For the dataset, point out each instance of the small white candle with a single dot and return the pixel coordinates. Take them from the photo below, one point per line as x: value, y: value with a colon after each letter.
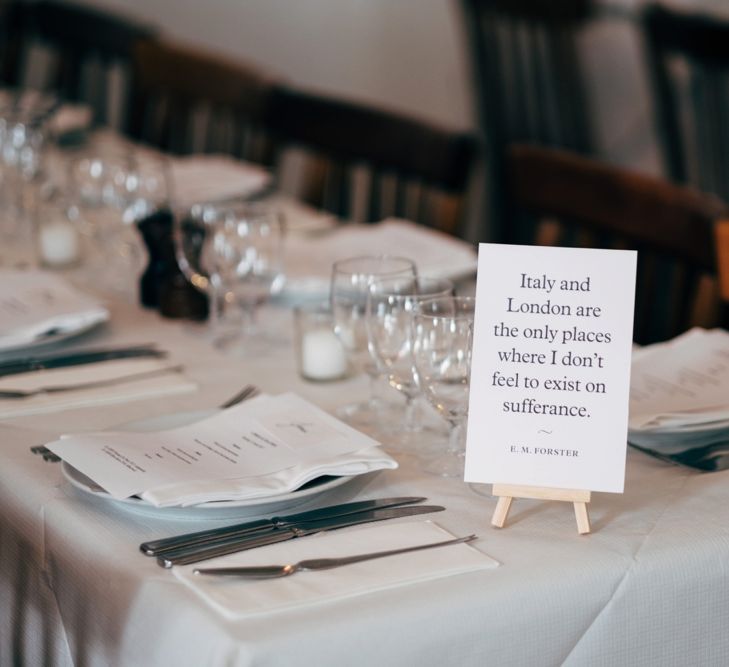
x: 322, y: 355
x: 59, y: 244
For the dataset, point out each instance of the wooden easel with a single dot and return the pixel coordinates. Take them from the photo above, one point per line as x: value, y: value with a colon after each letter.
x: 507, y: 492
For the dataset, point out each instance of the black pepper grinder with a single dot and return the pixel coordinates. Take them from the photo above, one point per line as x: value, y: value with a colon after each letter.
x: 163, y: 285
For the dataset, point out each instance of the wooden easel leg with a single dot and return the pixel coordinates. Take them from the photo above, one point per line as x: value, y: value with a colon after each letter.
x: 583, y: 519
x: 502, y: 510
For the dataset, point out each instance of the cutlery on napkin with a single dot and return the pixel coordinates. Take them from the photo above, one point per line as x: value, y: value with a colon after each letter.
x: 197, y: 553
x: 236, y: 598
x: 76, y: 358
x: 314, y: 564
x: 165, y: 544
x: 114, y: 381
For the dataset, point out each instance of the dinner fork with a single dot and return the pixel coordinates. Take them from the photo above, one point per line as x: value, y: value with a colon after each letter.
x: 278, y: 571
x: 249, y: 391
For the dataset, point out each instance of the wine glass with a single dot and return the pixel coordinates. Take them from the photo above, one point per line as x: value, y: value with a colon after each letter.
x: 442, y: 342
x: 22, y: 150
x: 113, y: 193
x: 350, y: 284
x: 233, y: 253
x: 391, y: 305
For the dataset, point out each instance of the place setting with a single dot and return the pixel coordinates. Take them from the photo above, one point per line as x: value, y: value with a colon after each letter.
x: 678, y: 400
x: 264, y: 453
x: 39, y: 375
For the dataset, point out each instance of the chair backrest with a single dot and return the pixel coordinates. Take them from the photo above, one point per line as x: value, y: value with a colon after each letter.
x: 688, y: 57
x: 582, y: 202
x: 528, y: 81
x: 11, y: 35
x: 85, y: 44
x: 370, y: 164
x: 186, y: 100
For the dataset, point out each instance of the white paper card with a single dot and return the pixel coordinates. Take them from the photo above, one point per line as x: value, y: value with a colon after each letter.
x: 259, y: 437
x: 550, y: 370
x: 681, y: 382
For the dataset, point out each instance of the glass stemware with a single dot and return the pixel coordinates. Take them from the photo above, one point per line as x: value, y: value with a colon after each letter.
x: 350, y: 284
x: 234, y: 254
x: 22, y: 144
x: 391, y: 305
x: 110, y: 195
x: 442, y: 342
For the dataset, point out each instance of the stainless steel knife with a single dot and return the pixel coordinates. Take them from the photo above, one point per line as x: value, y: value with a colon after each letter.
x: 28, y: 364
x: 213, y: 535
x: 198, y: 553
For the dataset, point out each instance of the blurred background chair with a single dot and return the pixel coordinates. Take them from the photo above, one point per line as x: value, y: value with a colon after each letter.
x: 688, y: 57
x: 581, y: 202
x: 11, y: 34
x: 366, y: 164
x: 187, y: 101
x: 78, y: 52
x: 529, y: 85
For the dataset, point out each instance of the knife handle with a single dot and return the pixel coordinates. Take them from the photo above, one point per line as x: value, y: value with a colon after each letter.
x: 193, y: 554
x: 76, y: 359
x: 196, y: 554
x: 165, y: 544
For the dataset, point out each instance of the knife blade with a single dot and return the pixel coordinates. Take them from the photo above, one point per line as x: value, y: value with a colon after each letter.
x: 165, y: 544
x: 195, y: 554
x: 28, y: 364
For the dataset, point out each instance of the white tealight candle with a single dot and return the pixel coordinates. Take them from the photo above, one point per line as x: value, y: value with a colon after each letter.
x: 59, y: 243
x: 322, y: 355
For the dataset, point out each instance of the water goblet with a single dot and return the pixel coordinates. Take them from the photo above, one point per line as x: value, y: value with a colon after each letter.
x: 442, y: 342
x: 391, y: 305
x: 234, y: 254
x: 350, y: 284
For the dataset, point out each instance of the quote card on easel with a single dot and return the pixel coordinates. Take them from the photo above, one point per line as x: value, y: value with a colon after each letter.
x: 550, y: 369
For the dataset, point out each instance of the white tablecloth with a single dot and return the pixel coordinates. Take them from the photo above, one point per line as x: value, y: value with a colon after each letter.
x: 647, y: 587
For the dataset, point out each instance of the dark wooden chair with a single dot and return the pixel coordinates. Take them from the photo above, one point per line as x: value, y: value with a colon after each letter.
x: 528, y: 84
x: 186, y: 100
x: 369, y: 164
x: 85, y: 46
x: 11, y: 39
x: 688, y: 56
x: 582, y: 202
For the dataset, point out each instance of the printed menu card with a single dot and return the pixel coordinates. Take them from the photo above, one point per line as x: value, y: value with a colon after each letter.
x: 550, y: 371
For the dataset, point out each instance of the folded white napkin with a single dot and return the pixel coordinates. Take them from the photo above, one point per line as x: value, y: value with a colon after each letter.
x: 138, y: 379
x: 202, y: 178
x: 283, y: 481
x: 36, y: 305
x: 238, y: 598
x: 309, y: 258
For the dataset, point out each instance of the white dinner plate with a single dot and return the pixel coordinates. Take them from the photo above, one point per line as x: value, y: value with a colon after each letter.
x: 249, y: 508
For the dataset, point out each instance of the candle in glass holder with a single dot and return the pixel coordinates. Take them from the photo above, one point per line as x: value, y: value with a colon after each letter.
x: 58, y: 243
x: 319, y: 352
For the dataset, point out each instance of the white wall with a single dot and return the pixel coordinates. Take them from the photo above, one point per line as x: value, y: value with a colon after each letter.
x: 407, y: 55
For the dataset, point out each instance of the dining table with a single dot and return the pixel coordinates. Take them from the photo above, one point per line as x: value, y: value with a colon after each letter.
x: 647, y: 586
